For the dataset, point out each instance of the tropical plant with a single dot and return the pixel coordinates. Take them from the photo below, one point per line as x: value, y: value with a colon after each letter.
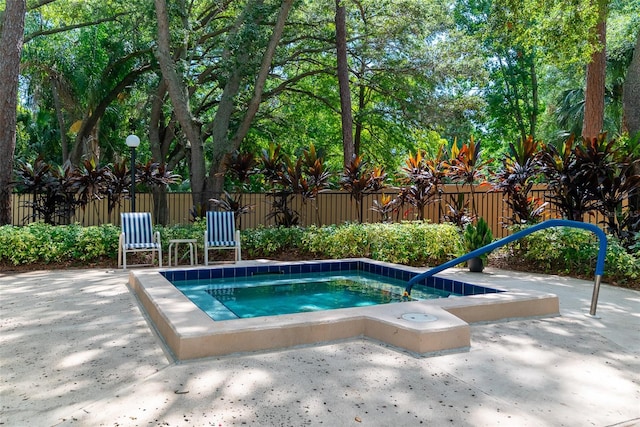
x: 232, y: 204
x: 569, y: 191
x: 476, y: 236
x: 385, y: 207
x: 516, y: 178
x: 421, y: 184
x: 305, y: 177
x: 612, y: 180
x: 154, y: 174
x: 318, y: 175
x: 467, y: 167
x: 241, y: 166
x: 458, y: 211
x: 52, y: 199
x: 272, y: 167
x: 89, y: 183
x: 358, y: 179
x: 119, y: 185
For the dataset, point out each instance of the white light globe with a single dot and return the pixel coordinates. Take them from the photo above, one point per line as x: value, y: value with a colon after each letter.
x: 132, y: 141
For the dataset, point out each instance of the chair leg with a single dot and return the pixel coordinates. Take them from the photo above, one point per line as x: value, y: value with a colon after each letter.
x: 238, y: 248
x: 120, y: 251
x: 206, y: 248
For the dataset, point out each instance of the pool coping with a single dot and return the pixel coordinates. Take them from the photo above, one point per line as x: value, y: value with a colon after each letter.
x: 190, y: 333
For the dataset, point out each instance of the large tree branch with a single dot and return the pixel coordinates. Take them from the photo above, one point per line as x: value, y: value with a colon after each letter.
x: 267, y: 59
x: 315, y: 96
x: 39, y: 4
x: 92, y: 120
x: 180, y: 101
x: 287, y: 84
x: 33, y: 35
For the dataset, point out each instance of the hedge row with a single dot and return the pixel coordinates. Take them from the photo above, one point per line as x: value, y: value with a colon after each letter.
x: 558, y: 250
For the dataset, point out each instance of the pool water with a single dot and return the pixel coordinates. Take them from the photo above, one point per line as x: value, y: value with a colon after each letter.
x: 277, y: 294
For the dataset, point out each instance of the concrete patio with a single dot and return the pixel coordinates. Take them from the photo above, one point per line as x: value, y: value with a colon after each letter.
x: 77, y: 350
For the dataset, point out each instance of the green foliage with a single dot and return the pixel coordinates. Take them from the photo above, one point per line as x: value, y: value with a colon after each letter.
x: 305, y: 176
x: 40, y: 242
x: 421, y: 182
x: 95, y: 242
x: 358, y: 178
x: 574, y: 252
x: 477, y: 236
x: 269, y: 241
x: 335, y: 241
x: 593, y: 174
x: 194, y: 230
x: 515, y: 180
x: 57, y: 191
x: 557, y: 250
x: 415, y: 243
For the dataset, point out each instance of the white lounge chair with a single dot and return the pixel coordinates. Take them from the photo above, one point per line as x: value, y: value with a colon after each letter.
x: 137, y: 236
x: 221, y: 233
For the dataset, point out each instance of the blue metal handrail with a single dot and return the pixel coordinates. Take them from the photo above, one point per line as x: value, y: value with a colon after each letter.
x: 602, y: 251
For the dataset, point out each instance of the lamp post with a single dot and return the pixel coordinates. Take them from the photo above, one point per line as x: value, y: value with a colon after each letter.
x: 132, y: 142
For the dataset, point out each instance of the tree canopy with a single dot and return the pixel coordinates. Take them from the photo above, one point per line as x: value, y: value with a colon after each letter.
x: 199, y: 81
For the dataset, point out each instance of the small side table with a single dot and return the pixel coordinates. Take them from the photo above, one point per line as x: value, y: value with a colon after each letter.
x: 193, y: 248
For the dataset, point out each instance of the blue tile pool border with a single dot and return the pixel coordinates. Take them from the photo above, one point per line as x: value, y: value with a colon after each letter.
x: 435, y: 282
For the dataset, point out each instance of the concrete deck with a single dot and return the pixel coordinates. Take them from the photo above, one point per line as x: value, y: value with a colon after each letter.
x: 75, y: 349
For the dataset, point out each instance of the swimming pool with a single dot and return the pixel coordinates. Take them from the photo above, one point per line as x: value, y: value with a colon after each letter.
x: 423, y: 327
x: 272, y: 294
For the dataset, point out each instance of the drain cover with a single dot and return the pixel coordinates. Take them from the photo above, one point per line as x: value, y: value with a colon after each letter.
x: 419, y: 317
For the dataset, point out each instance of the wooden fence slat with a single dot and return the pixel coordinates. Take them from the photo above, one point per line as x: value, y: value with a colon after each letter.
x: 331, y: 207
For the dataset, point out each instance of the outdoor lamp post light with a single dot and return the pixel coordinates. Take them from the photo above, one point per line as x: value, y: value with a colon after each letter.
x: 132, y: 142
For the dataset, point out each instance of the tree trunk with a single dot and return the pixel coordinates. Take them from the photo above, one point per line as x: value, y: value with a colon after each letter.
x: 180, y: 100
x: 631, y: 94
x: 61, y: 122
x: 533, y: 121
x: 222, y: 147
x: 595, y: 81
x: 11, y: 39
x: 343, y: 83
x: 631, y: 112
x: 362, y: 103
x: 158, y: 152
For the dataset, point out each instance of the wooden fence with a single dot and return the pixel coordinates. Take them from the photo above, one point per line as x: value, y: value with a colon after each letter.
x: 331, y: 207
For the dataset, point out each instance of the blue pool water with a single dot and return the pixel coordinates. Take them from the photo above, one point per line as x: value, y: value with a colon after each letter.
x: 233, y: 292
x: 275, y: 294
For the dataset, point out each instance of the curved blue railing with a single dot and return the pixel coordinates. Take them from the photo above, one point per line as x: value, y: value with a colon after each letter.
x: 602, y: 251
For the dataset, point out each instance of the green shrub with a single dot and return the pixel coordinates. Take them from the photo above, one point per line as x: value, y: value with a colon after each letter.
x: 332, y: 241
x: 415, y: 243
x: 181, y: 231
x: 40, y: 242
x: 574, y: 251
x: 267, y: 241
x: 557, y: 250
x: 95, y: 242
